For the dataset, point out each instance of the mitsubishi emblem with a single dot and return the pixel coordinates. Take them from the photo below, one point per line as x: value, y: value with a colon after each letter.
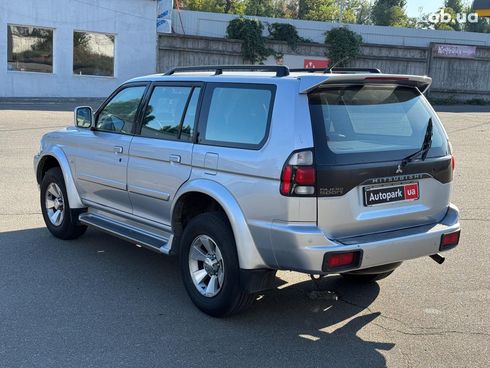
x: 399, y: 169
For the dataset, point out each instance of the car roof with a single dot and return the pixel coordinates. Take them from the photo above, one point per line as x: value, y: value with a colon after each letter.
x: 307, y: 80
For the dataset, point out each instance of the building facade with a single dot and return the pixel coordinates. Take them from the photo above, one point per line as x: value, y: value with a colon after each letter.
x: 74, y: 48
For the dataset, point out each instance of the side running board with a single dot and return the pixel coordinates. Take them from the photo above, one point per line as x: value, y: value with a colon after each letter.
x: 126, y: 232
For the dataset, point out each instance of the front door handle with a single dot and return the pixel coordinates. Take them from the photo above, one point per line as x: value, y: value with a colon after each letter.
x: 118, y: 149
x: 174, y: 158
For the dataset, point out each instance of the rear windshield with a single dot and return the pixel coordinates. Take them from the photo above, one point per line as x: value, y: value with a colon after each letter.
x: 370, y: 123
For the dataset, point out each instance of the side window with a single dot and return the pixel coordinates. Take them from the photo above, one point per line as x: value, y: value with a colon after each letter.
x: 119, y: 114
x: 170, y: 113
x: 238, y: 116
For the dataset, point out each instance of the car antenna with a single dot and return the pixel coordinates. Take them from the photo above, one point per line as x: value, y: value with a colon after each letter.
x: 329, y: 70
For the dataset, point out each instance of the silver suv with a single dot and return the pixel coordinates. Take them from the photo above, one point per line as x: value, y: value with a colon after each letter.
x: 245, y: 170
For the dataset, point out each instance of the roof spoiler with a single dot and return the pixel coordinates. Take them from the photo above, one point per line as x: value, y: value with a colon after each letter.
x: 421, y: 82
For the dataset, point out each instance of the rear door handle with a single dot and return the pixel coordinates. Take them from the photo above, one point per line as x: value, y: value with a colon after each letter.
x: 174, y: 158
x: 118, y: 149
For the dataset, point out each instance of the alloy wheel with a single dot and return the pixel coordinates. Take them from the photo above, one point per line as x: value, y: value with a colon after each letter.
x: 55, y: 204
x: 206, y: 266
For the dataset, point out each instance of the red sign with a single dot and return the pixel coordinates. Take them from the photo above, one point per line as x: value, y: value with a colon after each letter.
x: 316, y: 63
x: 411, y: 191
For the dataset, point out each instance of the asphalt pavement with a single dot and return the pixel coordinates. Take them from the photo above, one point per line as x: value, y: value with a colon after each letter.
x: 101, y: 302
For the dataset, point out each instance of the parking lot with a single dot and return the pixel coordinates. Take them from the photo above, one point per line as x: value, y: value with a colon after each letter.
x: 101, y: 302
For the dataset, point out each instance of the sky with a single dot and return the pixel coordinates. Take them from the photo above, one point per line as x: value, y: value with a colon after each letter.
x: 429, y: 6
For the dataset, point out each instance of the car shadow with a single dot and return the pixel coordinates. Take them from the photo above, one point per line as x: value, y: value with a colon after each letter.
x: 122, y: 305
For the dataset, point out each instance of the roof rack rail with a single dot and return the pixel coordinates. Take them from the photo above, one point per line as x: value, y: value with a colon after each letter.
x: 280, y: 70
x: 338, y: 70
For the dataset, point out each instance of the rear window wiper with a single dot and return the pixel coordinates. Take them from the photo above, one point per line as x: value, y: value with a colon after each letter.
x: 423, y: 151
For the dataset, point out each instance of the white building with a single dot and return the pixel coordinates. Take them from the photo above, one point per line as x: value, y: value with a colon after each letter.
x: 74, y: 48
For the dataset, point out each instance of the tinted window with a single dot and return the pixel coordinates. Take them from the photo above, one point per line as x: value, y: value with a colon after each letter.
x: 93, y: 54
x: 119, y: 114
x: 381, y: 123
x: 30, y: 49
x: 238, y: 116
x: 169, y: 109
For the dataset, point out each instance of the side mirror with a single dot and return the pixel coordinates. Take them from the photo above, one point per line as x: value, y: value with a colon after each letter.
x: 84, y: 117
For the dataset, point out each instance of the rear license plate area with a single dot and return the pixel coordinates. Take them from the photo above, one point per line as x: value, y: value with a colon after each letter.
x: 389, y: 194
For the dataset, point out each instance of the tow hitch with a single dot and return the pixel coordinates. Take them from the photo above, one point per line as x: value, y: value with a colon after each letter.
x: 438, y: 258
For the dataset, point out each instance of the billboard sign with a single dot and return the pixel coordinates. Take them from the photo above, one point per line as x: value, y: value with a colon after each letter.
x: 455, y: 51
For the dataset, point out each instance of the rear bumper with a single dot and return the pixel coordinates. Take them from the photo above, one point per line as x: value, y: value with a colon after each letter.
x: 302, y: 247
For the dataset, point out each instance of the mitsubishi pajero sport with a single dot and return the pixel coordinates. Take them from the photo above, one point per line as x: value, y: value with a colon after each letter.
x: 245, y: 170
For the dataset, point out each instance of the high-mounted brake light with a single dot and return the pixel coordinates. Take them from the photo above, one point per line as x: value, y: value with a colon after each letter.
x: 387, y: 78
x: 298, y: 176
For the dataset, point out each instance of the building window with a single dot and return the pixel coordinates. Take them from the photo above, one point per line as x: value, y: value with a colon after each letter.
x: 30, y: 49
x: 93, y: 54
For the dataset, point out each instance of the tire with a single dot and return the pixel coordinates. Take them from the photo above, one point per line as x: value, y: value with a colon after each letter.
x: 205, y: 233
x: 367, y: 278
x: 59, y: 218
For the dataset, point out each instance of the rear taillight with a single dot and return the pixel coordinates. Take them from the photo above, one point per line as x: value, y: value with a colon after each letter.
x: 341, y: 260
x: 450, y: 240
x: 298, y: 177
x: 453, y: 162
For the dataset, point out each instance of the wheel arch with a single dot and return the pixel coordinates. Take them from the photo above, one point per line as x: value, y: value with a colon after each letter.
x: 57, y: 158
x: 248, y: 255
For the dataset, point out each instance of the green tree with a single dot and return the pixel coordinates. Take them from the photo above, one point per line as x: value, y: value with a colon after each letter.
x: 482, y: 26
x: 390, y: 13
x: 343, y: 45
x: 325, y: 10
x: 453, y: 25
x: 456, y: 5
x: 290, y: 8
x: 215, y: 6
x: 362, y: 11
x: 264, y: 8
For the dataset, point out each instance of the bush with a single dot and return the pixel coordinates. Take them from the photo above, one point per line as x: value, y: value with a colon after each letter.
x: 286, y: 32
x: 343, y: 45
x: 250, y: 32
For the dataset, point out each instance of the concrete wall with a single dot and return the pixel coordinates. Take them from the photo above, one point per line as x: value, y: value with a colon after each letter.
x: 214, y: 25
x: 461, y: 79
x: 133, y: 22
x: 175, y: 50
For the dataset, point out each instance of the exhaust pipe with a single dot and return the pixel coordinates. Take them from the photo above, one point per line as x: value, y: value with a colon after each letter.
x: 438, y: 258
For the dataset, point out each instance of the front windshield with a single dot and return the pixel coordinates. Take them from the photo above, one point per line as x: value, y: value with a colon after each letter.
x: 384, y: 122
